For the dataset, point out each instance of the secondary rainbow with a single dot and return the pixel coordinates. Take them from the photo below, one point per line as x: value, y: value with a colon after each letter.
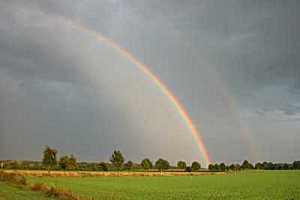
x: 143, y: 67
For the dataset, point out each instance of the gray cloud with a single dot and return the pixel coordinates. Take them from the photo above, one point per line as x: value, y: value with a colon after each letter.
x: 234, y: 65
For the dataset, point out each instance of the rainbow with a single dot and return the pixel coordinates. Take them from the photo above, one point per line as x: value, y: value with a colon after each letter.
x: 163, y: 87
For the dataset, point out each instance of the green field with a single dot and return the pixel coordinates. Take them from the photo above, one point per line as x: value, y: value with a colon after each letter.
x: 12, y: 192
x: 283, y: 185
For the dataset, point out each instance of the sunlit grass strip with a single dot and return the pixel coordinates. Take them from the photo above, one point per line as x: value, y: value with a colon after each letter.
x: 41, y: 173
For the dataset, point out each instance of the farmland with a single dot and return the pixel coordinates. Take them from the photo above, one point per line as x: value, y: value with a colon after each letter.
x: 243, y: 185
x: 11, y: 192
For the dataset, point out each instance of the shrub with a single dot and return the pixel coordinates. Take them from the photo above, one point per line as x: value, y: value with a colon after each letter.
x: 68, y: 162
x: 13, y: 178
x: 39, y: 187
x: 128, y: 165
x: 103, y: 166
x: 62, y: 194
x: 188, y: 169
x: 20, y: 180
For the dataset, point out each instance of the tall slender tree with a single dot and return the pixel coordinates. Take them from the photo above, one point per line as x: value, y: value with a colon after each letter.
x: 49, y: 158
x: 117, y: 159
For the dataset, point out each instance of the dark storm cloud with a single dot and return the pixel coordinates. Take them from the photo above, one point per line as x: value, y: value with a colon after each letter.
x: 62, y: 88
x: 234, y: 64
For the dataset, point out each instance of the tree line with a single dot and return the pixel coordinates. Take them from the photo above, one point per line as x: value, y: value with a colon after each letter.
x: 246, y: 165
x: 117, y: 162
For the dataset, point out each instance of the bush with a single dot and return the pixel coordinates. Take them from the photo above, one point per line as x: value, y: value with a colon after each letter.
x: 62, y: 194
x: 13, y: 178
x: 39, y: 187
x: 188, y: 169
x: 103, y: 166
x: 20, y: 180
x: 128, y: 165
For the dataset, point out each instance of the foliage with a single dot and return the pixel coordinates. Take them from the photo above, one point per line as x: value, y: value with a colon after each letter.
x: 49, y: 157
x: 162, y: 164
x: 128, y: 165
x: 259, y: 166
x: 296, y: 165
x: 103, y: 166
x: 195, y: 166
x: 214, y: 167
x: 247, y: 165
x: 222, y: 167
x: 181, y: 165
x: 117, y: 159
x: 88, y: 166
x: 146, y: 164
x: 68, y: 162
x: 188, y: 169
x: 235, y: 167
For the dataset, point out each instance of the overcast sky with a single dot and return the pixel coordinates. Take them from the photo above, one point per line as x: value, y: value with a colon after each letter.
x: 235, y: 65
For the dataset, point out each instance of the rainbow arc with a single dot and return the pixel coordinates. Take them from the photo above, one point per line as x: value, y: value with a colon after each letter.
x: 163, y: 87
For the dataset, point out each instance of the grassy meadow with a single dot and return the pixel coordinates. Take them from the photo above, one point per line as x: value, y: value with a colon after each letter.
x: 12, y: 192
x: 254, y: 185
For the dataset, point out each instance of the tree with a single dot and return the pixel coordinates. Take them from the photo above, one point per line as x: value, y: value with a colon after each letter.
x: 268, y: 165
x: 216, y: 167
x: 117, y: 159
x: 128, y: 165
x: 162, y: 164
x: 285, y: 166
x: 181, y: 165
x: 296, y: 165
x: 232, y: 167
x: 195, y: 166
x: 222, y: 167
x: 49, y: 157
x: 259, y: 166
x: 146, y: 164
x: 247, y: 165
x: 63, y: 162
x: 68, y: 162
x: 103, y: 166
x: 227, y: 168
x: 72, y: 162
x: 237, y: 167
